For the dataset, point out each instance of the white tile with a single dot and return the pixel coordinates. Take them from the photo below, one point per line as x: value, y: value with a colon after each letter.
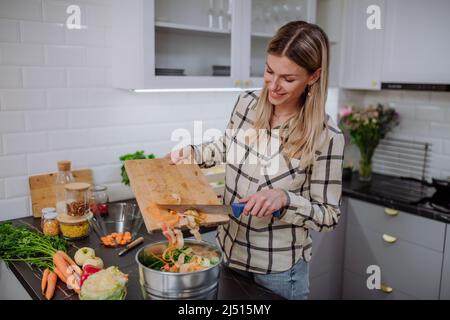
x: 441, y: 162
x: 15, y: 143
x: 21, y: 9
x: 414, y: 127
x: 11, y: 166
x: 10, y: 77
x: 39, y: 163
x: 23, y: 99
x: 445, y: 174
x: 91, y: 36
x: 45, y: 120
x: 11, y: 122
x: 87, y: 77
x: 67, y: 98
x: 21, y: 54
x: 9, y: 30
x: 42, y: 77
x: 416, y: 97
x: 2, y: 189
x: 55, y: 11
x: 430, y: 113
x: 107, y: 174
x: 45, y: 33
x: 118, y: 191
x: 446, y: 146
x: 440, y: 130
x: 435, y: 145
x: 440, y: 98
x: 405, y: 110
x: 100, y: 57
x: 65, y: 140
x: 14, y: 208
x: 65, y: 56
x: 17, y: 187
x: 99, y: 15
x: 90, y: 157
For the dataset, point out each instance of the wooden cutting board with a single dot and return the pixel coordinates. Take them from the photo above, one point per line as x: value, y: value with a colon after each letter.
x: 42, y: 188
x: 156, y: 181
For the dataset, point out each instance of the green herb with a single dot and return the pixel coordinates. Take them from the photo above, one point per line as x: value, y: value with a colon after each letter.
x: 138, y: 155
x: 19, y: 243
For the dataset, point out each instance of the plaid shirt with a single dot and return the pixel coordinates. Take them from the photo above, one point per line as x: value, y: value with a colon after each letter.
x: 268, y: 244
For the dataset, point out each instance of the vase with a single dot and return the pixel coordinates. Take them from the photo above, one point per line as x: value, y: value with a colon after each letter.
x: 365, y: 168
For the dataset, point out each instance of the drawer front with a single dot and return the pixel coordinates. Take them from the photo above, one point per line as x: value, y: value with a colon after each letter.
x: 409, y: 227
x: 412, y: 269
x: 355, y: 288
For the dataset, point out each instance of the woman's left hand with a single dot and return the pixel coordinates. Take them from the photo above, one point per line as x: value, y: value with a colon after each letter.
x: 264, y: 203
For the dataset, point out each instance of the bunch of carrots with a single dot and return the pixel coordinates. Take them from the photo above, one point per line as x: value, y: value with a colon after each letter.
x: 66, y: 270
x: 116, y: 238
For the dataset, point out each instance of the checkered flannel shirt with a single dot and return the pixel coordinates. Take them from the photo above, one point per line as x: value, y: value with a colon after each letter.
x: 268, y: 244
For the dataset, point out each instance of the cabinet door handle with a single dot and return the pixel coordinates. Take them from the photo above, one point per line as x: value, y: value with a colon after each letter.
x: 389, y: 239
x: 248, y: 83
x: 386, y: 289
x: 237, y: 83
x: 391, y: 212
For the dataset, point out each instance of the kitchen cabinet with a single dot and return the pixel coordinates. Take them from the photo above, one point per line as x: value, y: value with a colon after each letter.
x: 416, y: 42
x: 168, y: 44
x: 408, y: 250
x: 445, y: 280
x: 362, y: 46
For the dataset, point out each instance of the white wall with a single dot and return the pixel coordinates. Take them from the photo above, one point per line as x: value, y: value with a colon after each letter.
x: 56, y: 101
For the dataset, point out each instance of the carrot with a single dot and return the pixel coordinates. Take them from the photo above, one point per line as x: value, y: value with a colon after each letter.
x: 71, y: 263
x: 44, y: 280
x: 60, y: 275
x: 61, y: 264
x: 51, y: 285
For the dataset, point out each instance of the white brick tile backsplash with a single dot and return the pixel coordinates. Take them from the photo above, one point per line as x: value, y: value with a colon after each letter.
x: 99, y: 57
x: 67, y: 98
x: 436, y: 145
x: 416, y: 96
x: 99, y: 15
x: 91, y: 36
x: 440, y: 130
x: 446, y: 146
x: 23, y: 99
x: 430, y: 113
x: 9, y: 30
x: 91, y: 157
x: 405, y: 110
x: 10, y: 77
x: 11, y: 122
x: 441, y: 162
x: 440, y: 98
x: 65, y: 56
x: 14, y: 208
x: 68, y: 139
x: 16, y: 187
x: 21, y: 9
x: 55, y: 10
x: 119, y: 191
x: 2, y: 189
x: 21, y: 54
x: 46, y: 162
x: 87, y: 77
x: 106, y: 174
x: 42, y: 77
x: 11, y: 166
x: 414, y: 127
x: 45, y: 120
x: 16, y: 143
x: 38, y: 32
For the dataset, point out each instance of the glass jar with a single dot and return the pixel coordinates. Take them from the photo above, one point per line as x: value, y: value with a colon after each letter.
x: 74, y: 228
x: 49, y: 223
x: 99, y: 200
x: 63, y: 177
x: 77, y: 198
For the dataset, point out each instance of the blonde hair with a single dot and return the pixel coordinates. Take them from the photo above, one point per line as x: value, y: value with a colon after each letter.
x: 306, y: 45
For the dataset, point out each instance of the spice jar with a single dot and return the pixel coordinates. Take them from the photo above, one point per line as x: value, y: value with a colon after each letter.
x: 77, y: 198
x: 74, y: 228
x: 49, y: 223
x: 99, y: 201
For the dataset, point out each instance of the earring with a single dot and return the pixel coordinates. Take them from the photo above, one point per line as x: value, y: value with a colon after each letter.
x: 309, y: 91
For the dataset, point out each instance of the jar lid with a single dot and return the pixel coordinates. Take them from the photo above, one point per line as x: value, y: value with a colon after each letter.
x: 77, y: 186
x: 65, y: 218
x: 99, y: 188
x: 50, y: 215
x: 64, y: 165
x: 48, y: 209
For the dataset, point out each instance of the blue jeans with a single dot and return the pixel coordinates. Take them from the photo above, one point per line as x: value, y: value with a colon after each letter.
x: 292, y: 284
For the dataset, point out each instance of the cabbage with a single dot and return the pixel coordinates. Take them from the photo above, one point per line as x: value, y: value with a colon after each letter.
x: 108, y: 284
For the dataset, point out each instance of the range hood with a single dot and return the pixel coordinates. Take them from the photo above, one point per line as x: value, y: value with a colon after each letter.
x: 416, y: 86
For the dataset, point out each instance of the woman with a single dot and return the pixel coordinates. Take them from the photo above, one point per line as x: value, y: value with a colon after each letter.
x: 306, y: 187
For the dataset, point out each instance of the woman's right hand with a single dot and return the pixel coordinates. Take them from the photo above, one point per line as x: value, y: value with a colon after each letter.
x: 181, y: 156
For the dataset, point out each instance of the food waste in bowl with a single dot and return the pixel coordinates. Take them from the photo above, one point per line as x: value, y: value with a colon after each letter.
x: 157, y: 284
x: 120, y: 226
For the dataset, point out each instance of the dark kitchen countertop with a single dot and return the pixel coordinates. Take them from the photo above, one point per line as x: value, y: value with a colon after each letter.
x: 394, y: 193
x: 232, y: 286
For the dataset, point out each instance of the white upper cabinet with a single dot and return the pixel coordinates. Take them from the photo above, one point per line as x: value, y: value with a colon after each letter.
x: 417, y: 42
x: 173, y: 44
x: 362, y: 44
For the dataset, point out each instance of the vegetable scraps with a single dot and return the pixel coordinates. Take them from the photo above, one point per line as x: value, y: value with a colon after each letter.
x: 138, y: 155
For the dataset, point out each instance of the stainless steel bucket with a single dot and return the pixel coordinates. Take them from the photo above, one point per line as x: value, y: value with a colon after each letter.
x: 157, y: 285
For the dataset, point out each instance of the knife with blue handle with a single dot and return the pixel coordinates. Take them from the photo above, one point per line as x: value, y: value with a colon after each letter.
x: 235, y: 208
